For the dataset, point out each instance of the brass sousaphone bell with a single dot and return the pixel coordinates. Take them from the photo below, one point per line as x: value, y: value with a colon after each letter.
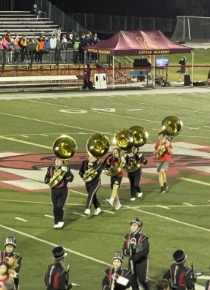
x: 124, y: 139
x: 64, y: 148
x: 97, y: 146
x: 140, y: 137
x: 171, y: 126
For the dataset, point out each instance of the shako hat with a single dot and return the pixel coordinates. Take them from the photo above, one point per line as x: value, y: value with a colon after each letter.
x: 59, y: 253
x: 179, y: 257
x: 118, y: 256
x: 10, y: 241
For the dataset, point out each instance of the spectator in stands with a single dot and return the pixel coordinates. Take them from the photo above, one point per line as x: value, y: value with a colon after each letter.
x: 76, y: 49
x: 8, y: 36
x: 34, y: 49
x: 17, y: 48
x: 95, y: 40
x: 23, y: 47
x: 5, y: 43
x: 182, y: 62
x: 53, y: 44
x: 82, y: 48
x: 41, y: 48
x: 37, y: 12
x: 71, y: 40
x: 64, y: 44
x: 58, y: 51
x: 57, y: 33
x: 88, y: 42
x: 46, y: 48
x: 11, y: 49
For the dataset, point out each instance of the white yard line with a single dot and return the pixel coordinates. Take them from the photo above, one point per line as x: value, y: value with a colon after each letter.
x: 52, y: 244
x: 20, y: 219
x: 162, y: 206
x: 49, y: 216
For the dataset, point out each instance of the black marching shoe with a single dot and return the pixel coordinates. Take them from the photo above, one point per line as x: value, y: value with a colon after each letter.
x: 165, y: 186
x: 162, y: 190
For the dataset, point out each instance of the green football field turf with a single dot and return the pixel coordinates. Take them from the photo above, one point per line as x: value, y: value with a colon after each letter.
x: 177, y: 219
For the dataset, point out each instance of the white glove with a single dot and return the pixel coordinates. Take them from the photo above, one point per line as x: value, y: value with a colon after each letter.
x: 64, y: 168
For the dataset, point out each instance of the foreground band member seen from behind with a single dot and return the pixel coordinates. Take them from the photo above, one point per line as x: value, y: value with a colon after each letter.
x: 57, y: 276
x: 12, y: 258
x: 163, y: 150
x: 59, y: 193
x: 136, y: 248
x: 113, y: 162
x: 133, y: 158
x: 179, y: 274
x: 117, y: 277
x: 90, y: 171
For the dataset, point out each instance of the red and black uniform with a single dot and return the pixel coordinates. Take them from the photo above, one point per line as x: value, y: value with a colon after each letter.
x: 180, y: 277
x: 14, y: 260
x: 93, y: 185
x: 116, y: 179
x: 56, y: 277
x: 136, y: 247
x: 135, y: 177
x: 111, y: 276
x: 59, y: 194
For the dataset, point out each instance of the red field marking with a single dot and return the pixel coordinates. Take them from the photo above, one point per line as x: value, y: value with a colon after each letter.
x: 36, y: 162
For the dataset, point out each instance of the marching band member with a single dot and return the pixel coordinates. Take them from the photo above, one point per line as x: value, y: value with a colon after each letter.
x: 57, y: 276
x: 135, y: 176
x: 163, y: 150
x: 90, y: 171
x: 116, y: 278
x: 115, y: 160
x: 59, y: 193
x: 136, y: 247
x: 179, y: 274
x: 12, y: 258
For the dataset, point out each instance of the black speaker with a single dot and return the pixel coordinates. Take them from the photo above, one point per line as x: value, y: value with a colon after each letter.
x: 141, y: 62
x: 187, y: 81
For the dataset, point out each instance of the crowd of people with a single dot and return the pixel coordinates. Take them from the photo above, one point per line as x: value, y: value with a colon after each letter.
x: 59, y: 47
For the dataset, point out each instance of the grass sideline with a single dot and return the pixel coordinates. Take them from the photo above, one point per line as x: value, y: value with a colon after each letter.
x: 178, y: 219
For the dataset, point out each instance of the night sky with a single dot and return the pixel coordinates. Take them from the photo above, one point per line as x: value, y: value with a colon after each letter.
x: 148, y: 8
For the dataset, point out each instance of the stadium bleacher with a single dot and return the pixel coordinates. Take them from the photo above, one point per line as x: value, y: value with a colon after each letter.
x: 20, y: 22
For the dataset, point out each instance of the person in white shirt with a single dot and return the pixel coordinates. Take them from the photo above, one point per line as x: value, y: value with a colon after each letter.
x: 53, y: 44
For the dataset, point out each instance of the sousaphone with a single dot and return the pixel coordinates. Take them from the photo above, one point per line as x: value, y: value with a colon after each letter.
x: 97, y: 146
x: 140, y: 136
x: 64, y: 148
x: 171, y: 126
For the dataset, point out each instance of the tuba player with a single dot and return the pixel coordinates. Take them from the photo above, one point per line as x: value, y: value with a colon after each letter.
x: 134, y: 157
x: 163, y: 150
x: 113, y: 161
x: 59, y: 193
x: 90, y: 171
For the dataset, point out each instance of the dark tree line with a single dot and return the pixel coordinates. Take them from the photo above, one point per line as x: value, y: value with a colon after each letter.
x: 148, y: 8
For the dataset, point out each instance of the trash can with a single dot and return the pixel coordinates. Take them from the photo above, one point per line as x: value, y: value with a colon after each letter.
x: 100, y: 81
x: 187, y: 81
